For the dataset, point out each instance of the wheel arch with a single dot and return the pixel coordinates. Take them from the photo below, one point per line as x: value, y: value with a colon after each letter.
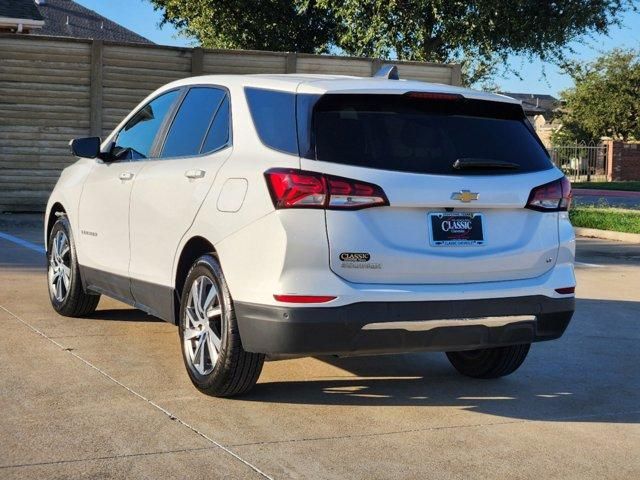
x: 192, y: 250
x: 52, y: 217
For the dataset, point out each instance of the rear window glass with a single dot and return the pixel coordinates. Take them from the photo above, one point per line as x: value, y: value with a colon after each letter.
x: 274, y: 116
x: 398, y: 132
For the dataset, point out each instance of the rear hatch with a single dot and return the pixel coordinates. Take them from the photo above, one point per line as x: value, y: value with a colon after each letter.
x: 457, y: 173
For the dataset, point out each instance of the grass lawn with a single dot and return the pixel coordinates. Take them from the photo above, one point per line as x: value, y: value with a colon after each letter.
x: 615, y: 219
x: 627, y: 186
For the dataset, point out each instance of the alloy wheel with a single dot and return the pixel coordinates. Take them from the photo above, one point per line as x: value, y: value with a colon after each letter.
x: 59, y: 272
x: 203, y: 325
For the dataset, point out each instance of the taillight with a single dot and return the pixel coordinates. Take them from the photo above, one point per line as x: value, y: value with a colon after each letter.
x: 551, y: 197
x: 291, y: 188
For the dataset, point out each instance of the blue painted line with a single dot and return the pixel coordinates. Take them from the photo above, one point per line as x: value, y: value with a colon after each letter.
x: 22, y: 243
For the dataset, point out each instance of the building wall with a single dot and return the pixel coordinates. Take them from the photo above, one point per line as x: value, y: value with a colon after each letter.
x: 544, y: 129
x: 54, y: 89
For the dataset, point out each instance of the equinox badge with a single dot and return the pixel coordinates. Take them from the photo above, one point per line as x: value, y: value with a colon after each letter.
x: 464, y: 196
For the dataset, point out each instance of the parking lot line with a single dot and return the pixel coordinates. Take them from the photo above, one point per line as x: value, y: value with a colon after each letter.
x: 21, y: 242
x: 142, y: 397
x: 588, y: 265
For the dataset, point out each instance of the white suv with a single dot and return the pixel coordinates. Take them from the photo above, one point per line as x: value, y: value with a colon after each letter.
x: 317, y: 214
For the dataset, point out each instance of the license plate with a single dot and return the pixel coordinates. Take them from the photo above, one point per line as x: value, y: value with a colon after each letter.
x: 456, y: 229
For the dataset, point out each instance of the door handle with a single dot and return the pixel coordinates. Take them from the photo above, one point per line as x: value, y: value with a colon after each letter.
x: 191, y: 174
x: 125, y: 176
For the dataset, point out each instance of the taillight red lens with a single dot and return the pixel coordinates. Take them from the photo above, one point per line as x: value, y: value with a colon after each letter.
x: 551, y: 197
x: 297, y: 189
x: 291, y: 188
x: 435, y: 96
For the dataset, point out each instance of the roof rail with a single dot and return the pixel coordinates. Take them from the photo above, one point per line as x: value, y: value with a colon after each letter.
x: 390, y: 72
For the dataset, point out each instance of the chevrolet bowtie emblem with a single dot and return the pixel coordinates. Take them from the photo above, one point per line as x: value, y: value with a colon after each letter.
x: 464, y: 196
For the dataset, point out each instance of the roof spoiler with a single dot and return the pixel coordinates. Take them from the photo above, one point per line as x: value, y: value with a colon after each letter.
x: 390, y: 72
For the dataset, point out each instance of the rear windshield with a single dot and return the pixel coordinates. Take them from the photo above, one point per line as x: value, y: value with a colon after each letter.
x: 419, y: 135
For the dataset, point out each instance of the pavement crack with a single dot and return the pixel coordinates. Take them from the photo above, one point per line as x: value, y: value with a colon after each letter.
x: 374, y: 434
x: 140, y: 396
x: 107, y: 335
x: 106, y: 457
x: 429, y: 429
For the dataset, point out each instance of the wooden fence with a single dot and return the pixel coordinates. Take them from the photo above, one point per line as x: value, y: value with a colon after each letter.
x: 53, y: 89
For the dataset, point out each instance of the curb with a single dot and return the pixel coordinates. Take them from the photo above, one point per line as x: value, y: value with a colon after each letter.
x: 607, y: 235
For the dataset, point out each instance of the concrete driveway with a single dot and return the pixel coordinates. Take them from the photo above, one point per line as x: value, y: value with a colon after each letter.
x: 108, y: 397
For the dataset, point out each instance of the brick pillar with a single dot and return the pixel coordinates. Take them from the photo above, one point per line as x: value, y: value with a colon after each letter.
x: 609, y: 145
x: 623, y: 162
x: 616, y: 161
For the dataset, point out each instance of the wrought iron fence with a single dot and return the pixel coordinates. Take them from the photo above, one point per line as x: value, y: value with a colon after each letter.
x: 581, y: 162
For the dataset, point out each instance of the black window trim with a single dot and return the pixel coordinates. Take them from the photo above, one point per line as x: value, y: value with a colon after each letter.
x: 206, y: 133
x: 164, y: 130
x: 158, y: 143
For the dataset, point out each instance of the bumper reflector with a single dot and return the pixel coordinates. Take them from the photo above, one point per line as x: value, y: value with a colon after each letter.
x: 566, y: 290
x: 304, y: 298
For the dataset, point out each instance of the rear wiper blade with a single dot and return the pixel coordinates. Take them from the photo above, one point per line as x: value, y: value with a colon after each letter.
x: 483, y: 164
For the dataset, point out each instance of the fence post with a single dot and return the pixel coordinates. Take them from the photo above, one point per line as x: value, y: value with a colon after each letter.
x: 456, y: 75
x: 95, y: 89
x: 291, y: 65
x: 376, y: 64
x: 197, y: 61
x: 589, y: 152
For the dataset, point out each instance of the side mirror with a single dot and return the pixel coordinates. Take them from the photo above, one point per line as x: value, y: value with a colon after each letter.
x: 88, y: 147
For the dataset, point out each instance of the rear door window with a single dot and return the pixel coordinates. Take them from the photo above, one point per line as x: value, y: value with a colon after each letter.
x: 425, y: 135
x: 219, y: 134
x: 193, y: 121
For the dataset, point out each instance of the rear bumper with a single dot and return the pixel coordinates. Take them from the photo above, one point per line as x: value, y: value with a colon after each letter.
x: 373, y: 327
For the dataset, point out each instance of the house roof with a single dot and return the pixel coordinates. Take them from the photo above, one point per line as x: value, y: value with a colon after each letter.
x: 66, y: 18
x: 532, y: 108
x: 23, y: 9
x: 530, y: 96
x: 536, y: 103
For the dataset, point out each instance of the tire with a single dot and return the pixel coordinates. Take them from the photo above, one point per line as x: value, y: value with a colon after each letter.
x: 489, y: 362
x: 66, y: 293
x: 211, y: 346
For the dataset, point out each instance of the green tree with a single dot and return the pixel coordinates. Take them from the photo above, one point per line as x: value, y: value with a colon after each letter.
x: 480, y: 34
x: 279, y: 25
x: 604, y: 101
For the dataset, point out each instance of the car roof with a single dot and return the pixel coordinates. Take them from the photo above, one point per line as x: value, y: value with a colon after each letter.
x: 321, y: 84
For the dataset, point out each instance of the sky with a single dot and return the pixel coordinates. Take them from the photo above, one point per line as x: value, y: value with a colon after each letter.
x: 537, y: 77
